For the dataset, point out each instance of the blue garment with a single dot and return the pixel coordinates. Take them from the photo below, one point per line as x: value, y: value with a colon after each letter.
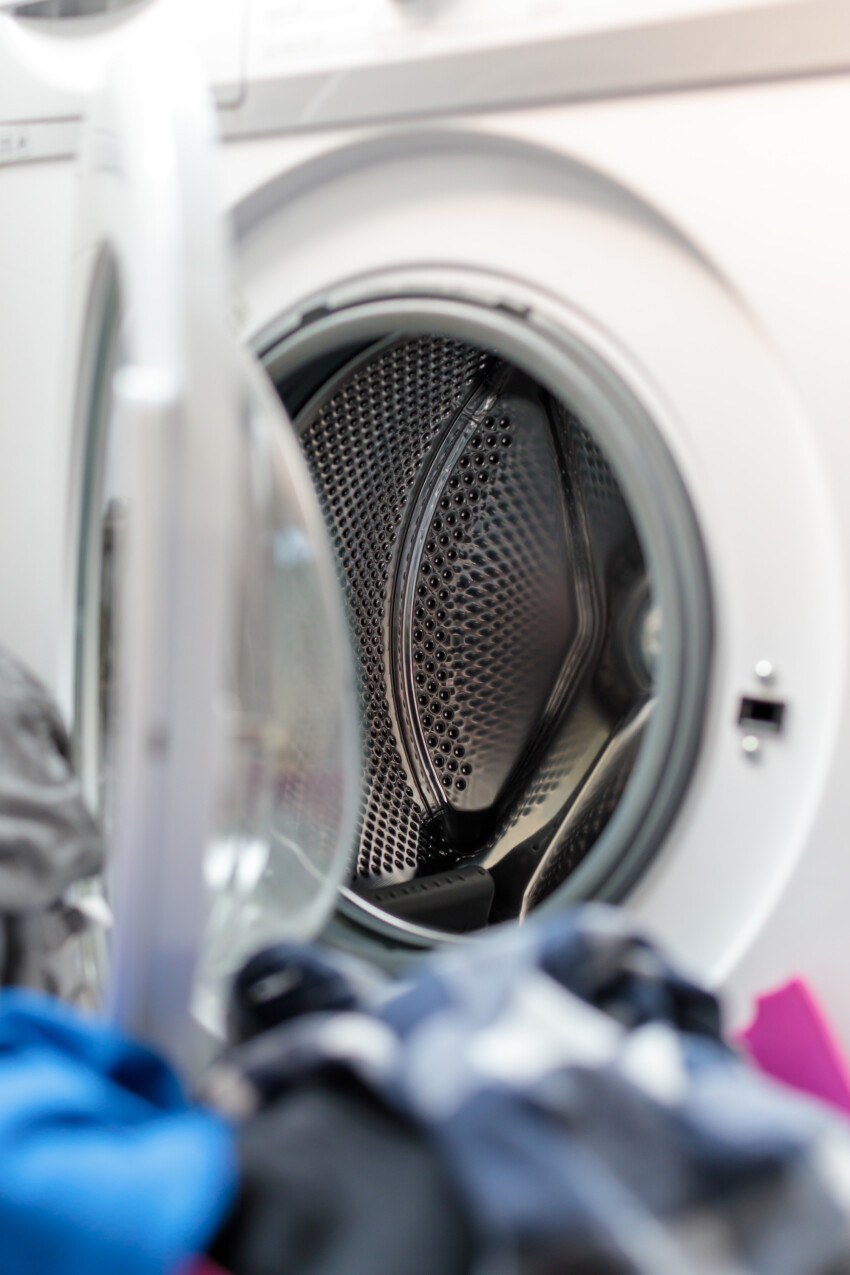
x: 580, y: 1097
x: 105, y: 1167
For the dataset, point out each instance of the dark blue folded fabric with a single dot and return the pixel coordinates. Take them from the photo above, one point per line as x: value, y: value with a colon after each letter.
x: 105, y: 1167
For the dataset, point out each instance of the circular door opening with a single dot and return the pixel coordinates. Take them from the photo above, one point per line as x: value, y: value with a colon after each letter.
x: 528, y: 603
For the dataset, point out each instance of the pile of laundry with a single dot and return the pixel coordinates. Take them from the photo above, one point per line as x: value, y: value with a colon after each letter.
x: 552, y: 1097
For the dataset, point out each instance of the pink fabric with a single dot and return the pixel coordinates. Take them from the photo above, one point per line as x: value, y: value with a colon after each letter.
x: 203, y: 1266
x: 791, y: 1040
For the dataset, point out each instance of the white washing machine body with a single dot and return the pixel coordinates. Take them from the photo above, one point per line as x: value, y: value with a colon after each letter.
x: 659, y: 205
x: 51, y: 68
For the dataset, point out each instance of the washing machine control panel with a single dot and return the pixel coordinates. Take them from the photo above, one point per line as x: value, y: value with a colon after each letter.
x: 292, y: 35
x: 321, y: 63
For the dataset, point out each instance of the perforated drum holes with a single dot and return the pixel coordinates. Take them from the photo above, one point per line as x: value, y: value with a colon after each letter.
x: 494, y: 617
x: 366, y: 439
x: 500, y: 609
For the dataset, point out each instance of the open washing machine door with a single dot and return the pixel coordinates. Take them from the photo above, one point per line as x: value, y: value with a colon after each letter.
x: 216, y: 720
x: 530, y: 607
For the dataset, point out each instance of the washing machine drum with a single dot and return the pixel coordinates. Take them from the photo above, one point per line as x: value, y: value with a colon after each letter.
x: 506, y: 629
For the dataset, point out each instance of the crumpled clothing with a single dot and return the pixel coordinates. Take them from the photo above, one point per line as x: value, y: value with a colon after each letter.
x: 105, y: 1166
x: 48, y: 838
x: 288, y: 980
x: 580, y: 1097
x: 333, y: 1183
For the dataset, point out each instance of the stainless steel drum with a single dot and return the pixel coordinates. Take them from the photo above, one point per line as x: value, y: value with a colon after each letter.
x: 504, y: 618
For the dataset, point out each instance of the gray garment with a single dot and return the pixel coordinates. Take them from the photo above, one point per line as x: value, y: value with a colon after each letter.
x: 48, y: 838
x: 333, y: 1183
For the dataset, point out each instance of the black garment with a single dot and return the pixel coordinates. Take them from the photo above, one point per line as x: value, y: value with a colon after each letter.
x: 334, y: 1184
x: 287, y: 981
x: 48, y: 839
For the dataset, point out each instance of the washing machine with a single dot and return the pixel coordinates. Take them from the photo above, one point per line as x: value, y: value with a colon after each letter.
x: 553, y: 303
